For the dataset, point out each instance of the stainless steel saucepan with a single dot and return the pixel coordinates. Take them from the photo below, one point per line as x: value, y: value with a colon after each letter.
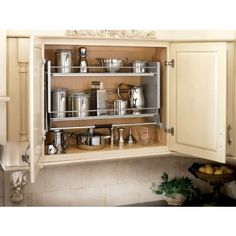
x: 91, y: 140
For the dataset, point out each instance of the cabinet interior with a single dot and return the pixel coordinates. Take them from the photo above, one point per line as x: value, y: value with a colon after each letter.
x: 80, y: 83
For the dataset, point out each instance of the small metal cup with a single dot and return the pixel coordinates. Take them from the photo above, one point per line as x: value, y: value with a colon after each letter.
x: 120, y: 107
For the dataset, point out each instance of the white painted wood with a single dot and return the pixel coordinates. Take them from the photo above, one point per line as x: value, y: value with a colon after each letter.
x: 36, y: 103
x: 198, y: 100
x: 75, y: 155
x: 3, y: 98
x: 163, y: 35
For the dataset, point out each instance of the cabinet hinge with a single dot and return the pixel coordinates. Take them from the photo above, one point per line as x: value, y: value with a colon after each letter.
x: 228, y: 136
x: 170, y: 63
x: 25, y: 156
x: 43, y: 61
x: 170, y: 131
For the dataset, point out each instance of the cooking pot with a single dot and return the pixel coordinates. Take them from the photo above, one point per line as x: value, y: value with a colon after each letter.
x: 91, y: 140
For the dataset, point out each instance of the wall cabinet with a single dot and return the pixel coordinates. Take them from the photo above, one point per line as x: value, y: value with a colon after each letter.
x: 196, y: 88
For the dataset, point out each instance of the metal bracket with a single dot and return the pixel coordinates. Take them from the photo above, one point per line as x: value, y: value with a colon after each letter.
x: 170, y: 63
x: 25, y: 156
x: 170, y: 131
x: 229, y: 128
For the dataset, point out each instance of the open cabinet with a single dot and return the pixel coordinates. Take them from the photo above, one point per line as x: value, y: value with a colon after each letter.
x: 189, y: 107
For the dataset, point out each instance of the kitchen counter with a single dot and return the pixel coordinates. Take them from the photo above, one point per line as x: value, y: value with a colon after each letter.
x: 207, y: 200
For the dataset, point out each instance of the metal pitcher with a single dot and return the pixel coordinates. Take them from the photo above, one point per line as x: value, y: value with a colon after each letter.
x: 135, y: 97
x: 58, y: 139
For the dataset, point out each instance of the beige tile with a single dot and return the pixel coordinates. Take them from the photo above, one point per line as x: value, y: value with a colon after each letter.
x: 146, y: 194
x: 168, y: 164
x: 122, y: 194
x: 133, y: 170
x: 38, y: 186
x: 87, y: 197
x: 63, y: 177
x: 56, y: 198
x: 100, y: 174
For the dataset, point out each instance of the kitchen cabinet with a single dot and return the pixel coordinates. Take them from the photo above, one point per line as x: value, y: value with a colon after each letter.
x: 194, y: 98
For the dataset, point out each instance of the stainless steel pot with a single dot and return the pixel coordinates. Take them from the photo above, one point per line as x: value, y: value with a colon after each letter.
x: 91, y: 140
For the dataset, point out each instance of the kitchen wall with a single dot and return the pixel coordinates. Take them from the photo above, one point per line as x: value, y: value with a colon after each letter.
x: 110, y: 183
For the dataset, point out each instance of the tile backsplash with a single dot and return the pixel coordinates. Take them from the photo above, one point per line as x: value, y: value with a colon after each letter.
x: 108, y: 183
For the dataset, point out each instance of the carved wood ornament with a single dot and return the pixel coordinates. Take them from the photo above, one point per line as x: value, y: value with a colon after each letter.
x: 113, y: 34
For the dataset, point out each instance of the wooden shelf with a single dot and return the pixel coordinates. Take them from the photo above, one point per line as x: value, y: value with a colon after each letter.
x: 76, y: 155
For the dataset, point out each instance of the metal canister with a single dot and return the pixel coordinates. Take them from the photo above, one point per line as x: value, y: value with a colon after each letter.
x: 64, y: 60
x: 59, y: 102
x: 139, y: 66
x: 120, y: 107
x: 80, y: 104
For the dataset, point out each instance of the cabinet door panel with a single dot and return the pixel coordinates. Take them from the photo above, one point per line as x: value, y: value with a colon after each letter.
x: 198, y: 100
x: 36, y: 110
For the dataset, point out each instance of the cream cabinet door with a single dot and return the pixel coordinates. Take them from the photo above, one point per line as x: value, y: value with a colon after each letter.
x: 198, y: 83
x: 36, y: 107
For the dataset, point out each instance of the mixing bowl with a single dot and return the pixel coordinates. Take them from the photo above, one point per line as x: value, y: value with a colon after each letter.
x: 111, y: 65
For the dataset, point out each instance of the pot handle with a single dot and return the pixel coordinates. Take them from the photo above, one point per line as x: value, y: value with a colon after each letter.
x: 102, y: 126
x: 128, y: 86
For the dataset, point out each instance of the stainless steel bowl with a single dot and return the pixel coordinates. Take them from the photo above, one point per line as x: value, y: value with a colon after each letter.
x: 111, y: 65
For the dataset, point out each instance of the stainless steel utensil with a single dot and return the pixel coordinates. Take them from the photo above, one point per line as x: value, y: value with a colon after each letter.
x: 130, y: 138
x: 59, y: 139
x: 120, y: 107
x: 83, y: 63
x: 135, y: 96
x: 91, y: 140
x: 111, y: 65
x: 121, y: 139
x: 139, y: 66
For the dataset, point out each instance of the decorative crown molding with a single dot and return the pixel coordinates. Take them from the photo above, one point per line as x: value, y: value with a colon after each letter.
x: 113, y: 34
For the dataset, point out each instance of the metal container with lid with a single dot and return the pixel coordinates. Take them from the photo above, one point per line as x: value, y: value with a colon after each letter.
x: 59, y: 102
x: 80, y: 104
x: 139, y: 66
x: 64, y: 60
x: 91, y: 140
